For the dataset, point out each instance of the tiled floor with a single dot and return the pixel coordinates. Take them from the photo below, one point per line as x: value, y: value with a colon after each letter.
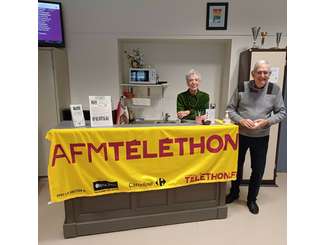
x: 269, y: 227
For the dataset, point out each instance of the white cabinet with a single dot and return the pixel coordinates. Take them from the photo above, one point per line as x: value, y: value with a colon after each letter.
x: 53, y: 96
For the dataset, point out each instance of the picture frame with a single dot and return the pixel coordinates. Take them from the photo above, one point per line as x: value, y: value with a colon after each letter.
x: 216, y: 17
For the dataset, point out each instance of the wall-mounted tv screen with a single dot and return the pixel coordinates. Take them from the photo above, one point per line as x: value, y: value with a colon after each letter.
x: 50, y: 24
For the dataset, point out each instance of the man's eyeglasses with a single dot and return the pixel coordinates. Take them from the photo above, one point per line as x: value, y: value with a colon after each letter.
x: 264, y: 72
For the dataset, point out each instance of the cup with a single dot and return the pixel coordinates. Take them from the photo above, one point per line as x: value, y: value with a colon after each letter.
x: 200, y: 119
x: 255, y: 33
x: 278, y: 38
x: 263, y: 36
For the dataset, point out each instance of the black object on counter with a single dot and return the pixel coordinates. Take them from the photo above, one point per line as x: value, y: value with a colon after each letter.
x: 207, y: 122
x: 66, y: 115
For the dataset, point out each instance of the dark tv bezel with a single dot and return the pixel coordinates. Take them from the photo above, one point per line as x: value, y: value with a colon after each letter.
x: 48, y: 44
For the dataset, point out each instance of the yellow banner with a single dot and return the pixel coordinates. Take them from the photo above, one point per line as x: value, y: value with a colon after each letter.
x: 97, y: 161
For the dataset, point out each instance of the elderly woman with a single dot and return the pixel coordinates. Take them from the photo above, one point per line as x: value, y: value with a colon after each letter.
x: 192, y: 102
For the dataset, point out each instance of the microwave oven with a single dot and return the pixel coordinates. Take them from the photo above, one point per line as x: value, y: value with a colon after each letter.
x: 142, y: 76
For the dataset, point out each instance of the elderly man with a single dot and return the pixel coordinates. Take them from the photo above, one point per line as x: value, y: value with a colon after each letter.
x: 192, y: 102
x: 255, y: 106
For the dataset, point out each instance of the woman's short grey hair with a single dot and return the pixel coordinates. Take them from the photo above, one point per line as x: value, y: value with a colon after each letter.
x: 193, y: 72
x: 259, y: 63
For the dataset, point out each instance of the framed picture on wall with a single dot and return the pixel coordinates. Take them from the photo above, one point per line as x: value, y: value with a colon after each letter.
x: 217, y: 16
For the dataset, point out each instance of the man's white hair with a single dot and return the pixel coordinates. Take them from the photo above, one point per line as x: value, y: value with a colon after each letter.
x: 193, y: 72
x: 259, y: 63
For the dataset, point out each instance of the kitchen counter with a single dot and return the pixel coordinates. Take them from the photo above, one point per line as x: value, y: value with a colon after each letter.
x: 141, y: 123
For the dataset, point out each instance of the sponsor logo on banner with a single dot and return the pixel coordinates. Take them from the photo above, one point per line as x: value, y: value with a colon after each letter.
x: 104, y: 185
x: 141, y: 184
x: 159, y: 182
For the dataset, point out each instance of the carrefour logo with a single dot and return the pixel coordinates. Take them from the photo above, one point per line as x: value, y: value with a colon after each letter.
x: 160, y: 182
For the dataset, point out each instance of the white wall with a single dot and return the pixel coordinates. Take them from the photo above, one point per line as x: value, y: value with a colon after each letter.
x: 93, y: 28
x: 173, y: 59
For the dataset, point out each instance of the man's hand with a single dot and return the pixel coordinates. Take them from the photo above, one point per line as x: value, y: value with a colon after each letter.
x: 260, y: 123
x: 248, y: 123
x: 182, y: 114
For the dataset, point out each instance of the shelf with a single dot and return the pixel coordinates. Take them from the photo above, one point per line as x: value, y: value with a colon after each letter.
x: 143, y: 85
x: 163, y: 86
x: 137, y: 106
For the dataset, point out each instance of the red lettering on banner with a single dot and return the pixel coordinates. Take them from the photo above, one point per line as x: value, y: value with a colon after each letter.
x: 97, y: 150
x: 180, y: 141
x: 163, y: 147
x: 202, y: 177
x: 220, y: 143
x: 73, y: 152
x: 145, y: 152
x: 116, y: 146
x: 130, y: 149
x: 200, y: 145
x: 228, y: 139
x: 213, y: 176
x: 55, y: 155
x: 135, y: 149
x: 210, y: 176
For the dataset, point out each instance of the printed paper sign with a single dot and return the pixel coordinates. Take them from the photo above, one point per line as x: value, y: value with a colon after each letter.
x: 274, y: 77
x: 100, y: 111
x: 77, y: 115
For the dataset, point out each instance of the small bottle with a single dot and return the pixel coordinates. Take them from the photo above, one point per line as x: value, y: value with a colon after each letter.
x: 211, y: 113
x: 227, y: 119
x: 122, y: 100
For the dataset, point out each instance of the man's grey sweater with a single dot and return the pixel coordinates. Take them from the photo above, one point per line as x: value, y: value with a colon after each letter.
x: 254, y: 103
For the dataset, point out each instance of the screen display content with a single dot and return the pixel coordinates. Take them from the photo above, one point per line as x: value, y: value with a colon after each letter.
x: 140, y: 76
x: 50, y: 28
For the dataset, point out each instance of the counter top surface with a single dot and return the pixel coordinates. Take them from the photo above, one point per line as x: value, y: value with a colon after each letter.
x: 146, y: 123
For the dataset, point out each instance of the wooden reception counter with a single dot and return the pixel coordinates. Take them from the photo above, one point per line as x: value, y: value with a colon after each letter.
x: 131, y: 210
